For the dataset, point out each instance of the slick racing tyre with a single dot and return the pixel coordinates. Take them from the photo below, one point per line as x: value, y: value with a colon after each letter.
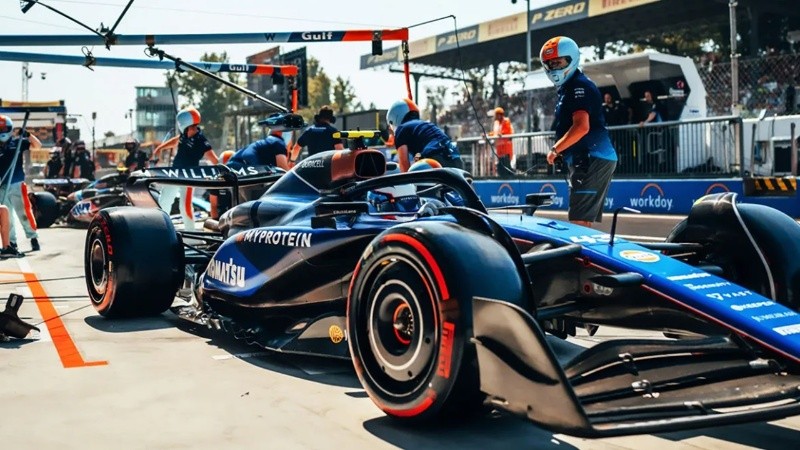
x: 409, y: 316
x: 45, y: 208
x: 133, y: 261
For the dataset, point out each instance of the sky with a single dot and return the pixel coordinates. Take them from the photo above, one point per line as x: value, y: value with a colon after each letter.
x: 110, y: 91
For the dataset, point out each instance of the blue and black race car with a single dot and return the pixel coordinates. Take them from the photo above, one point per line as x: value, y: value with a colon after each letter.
x: 451, y: 306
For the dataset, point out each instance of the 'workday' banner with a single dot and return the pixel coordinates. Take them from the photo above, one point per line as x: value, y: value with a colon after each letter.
x: 648, y: 196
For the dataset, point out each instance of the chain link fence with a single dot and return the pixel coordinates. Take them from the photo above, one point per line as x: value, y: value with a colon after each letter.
x: 765, y: 83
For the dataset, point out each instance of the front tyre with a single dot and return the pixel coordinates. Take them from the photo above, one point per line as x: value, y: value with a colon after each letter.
x: 45, y: 208
x: 409, y: 316
x: 133, y: 262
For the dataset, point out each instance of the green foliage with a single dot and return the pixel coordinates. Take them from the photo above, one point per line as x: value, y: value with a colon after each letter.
x: 344, y: 96
x: 212, y: 98
x: 319, y: 85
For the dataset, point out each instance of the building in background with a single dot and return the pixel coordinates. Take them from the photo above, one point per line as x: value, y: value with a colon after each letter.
x: 155, y: 113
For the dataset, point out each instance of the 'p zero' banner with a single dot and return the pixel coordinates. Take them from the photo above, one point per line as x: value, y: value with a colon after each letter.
x: 600, y: 7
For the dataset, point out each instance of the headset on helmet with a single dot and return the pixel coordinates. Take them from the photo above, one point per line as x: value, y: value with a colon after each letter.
x: 560, y: 47
x: 6, y: 127
x: 186, y: 118
x: 399, y: 110
x: 225, y: 156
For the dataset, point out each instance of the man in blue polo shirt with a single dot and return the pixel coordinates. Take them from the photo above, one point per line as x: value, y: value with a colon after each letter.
x: 270, y: 151
x: 192, y: 146
x: 413, y: 136
x: 318, y: 138
x: 581, y: 135
x: 13, y: 179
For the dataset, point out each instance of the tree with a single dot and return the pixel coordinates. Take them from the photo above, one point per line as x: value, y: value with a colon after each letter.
x: 319, y: 85
x: 212, y: 98
x: 344, y: 96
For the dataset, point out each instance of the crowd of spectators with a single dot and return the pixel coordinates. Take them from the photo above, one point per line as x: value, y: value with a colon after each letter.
x: 766, y: 83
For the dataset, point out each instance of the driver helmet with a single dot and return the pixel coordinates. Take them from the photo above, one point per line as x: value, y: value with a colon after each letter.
x: 401, y: 198
x: 131, y: 145
x: 186, y: 118
x: 401, y: 111
x: 560, y: 47
x: 6, y: 128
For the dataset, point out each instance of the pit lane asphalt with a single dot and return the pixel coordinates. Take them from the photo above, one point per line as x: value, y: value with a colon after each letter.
x: 151, y: 384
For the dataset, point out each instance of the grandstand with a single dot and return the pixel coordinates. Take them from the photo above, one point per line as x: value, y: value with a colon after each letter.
x: 763, y: 77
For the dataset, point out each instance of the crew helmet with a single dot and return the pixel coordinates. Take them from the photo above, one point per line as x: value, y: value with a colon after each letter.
x: 425, y: 164
x: 55, y: 152
x: 186, y: 118
x: 6, y: 128
x: 132, y: 144
x: 225, y: 156
x: 560, y: 47
x: 399, y: 110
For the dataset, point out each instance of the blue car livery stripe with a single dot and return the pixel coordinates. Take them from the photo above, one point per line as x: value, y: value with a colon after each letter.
x: 713, y: 297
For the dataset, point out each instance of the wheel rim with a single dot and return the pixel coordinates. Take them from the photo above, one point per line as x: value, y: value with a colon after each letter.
x: 401, y: 327
x: 98, y: 275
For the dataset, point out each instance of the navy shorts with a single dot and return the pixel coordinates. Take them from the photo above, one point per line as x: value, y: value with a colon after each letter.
x: 589, y: 181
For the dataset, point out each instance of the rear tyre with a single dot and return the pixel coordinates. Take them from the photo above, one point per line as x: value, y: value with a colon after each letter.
x: 45, y: 208
x: 133, y: 261
x: 409, y: 316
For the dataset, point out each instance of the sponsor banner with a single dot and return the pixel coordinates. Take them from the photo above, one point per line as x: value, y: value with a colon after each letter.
x: 204, y: 172
x: 647, y: 196
x: 600, y: 7
x: 559, y: 13
x: 389, y: 55
x: 465, y: 36
x: 503, y: 27
x: 422, y: 47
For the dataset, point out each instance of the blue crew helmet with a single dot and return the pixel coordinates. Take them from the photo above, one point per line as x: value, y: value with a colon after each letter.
x: 558, y: 70
x: 6, y: 128
x: 399, y: 110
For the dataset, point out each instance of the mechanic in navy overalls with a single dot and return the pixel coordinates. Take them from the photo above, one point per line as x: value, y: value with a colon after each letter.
x: 270, y: 151
x: 13, y: 179
x: 581, y: 135
x: 192, y: 147
x: 413, y: 136
x: 318, y: 138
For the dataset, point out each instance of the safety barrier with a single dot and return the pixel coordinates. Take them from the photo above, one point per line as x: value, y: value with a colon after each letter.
x: 770, y: 186
x: 658, y: 196
x: 708, y: 147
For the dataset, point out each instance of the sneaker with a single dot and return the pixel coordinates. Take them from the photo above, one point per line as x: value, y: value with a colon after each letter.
x: 35, y: 245
x: 10, y: 252
x: 13, y: 245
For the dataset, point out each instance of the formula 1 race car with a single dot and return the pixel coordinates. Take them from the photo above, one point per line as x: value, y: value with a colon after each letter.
x: 75, y: 202
x: 450, y: 306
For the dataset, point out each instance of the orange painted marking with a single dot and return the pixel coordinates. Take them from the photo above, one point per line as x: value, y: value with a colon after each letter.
x: 65, y: 346
x: 187, y: 202
x: 26, y: 202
